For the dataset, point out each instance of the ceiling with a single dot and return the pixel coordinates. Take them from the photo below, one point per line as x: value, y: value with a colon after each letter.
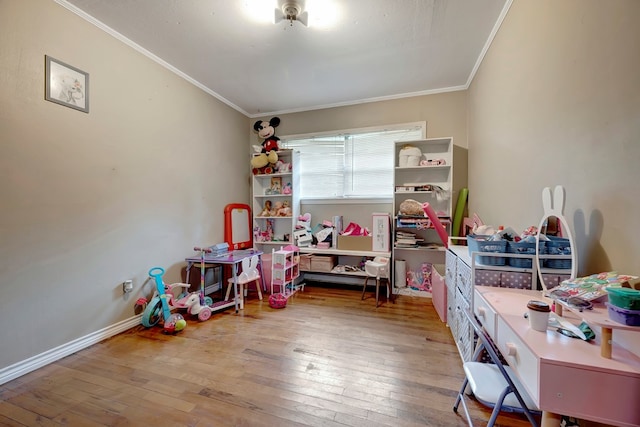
x: 377, y: 49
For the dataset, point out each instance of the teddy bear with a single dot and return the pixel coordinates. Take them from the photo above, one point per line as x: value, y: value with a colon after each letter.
x: 270, y: 144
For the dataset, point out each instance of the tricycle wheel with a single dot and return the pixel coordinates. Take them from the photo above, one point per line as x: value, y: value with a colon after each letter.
x: 152, y: 314
x: 204, y: 314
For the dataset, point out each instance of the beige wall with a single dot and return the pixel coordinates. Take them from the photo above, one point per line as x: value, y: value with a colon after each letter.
x: 89, y: 200
x: 445, y: 115
x: 557, y: 101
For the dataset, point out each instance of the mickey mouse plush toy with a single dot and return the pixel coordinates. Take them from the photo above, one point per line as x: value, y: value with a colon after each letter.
x: 270, y: 145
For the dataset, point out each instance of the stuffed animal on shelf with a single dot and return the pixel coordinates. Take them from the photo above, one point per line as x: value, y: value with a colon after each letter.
x: 267, y: 209
x: 283, y: 167
x: 287, y: 188
x: 270, y: 144
x: 411, y: 207
x: 284, y: 210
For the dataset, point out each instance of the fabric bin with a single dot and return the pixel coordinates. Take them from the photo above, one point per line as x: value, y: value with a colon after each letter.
x: 487, y: 278
x: 514, y: 279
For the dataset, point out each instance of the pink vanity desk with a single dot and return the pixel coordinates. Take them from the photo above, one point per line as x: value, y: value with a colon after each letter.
x: 563, y: 375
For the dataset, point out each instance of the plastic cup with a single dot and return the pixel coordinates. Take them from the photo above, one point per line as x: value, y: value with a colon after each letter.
x: 538, y: 315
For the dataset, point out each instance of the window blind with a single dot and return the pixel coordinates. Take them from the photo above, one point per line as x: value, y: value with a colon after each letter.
x: 350, y: 164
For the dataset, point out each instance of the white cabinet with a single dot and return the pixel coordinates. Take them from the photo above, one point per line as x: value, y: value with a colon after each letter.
x: 276, y: 203
x: 285, y: 269
x: 462, y: 273
x: 430, y: 180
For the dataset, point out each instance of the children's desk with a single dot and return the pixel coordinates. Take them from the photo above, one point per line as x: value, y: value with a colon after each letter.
x: 233, y: 259
x: 563, y: 375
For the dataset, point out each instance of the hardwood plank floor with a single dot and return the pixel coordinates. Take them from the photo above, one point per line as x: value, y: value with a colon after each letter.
x: 327, y: 359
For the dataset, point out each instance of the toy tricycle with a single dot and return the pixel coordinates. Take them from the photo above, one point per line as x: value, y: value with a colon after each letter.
x: 164, y: 301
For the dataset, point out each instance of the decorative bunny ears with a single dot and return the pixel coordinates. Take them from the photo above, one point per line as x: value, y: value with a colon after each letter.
x: 553, y: 206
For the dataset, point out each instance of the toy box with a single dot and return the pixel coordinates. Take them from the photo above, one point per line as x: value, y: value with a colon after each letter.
x: 355, y: 243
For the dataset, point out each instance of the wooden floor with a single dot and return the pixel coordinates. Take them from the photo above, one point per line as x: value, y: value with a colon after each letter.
x: 327, y: 359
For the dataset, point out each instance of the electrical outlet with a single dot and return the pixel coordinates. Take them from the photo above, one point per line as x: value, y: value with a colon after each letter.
x: 127, y: 286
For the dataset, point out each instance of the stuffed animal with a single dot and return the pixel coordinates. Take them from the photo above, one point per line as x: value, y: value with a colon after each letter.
x: 284, y: 210
x: 286, y: 189
x: 411, y: 207
x: 270, y: 144
x: 267, y: 209
x: 282, y: 167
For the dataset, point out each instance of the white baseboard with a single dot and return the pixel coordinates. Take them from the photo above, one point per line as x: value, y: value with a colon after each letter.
x: 31, y: 364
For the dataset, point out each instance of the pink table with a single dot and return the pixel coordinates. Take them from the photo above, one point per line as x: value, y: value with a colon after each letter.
x: 563, y: 375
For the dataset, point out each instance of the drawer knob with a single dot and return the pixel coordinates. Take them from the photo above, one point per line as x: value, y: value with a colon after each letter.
x: 481, y: 312
x: 512, y: 350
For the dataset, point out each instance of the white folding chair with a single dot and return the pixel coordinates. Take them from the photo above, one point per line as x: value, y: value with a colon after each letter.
x: 493, y: 384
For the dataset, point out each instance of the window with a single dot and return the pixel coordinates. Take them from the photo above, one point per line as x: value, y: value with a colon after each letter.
x: 350, y: 164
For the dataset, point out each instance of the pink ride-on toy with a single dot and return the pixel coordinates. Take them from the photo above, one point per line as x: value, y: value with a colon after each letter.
x: 164, y: 301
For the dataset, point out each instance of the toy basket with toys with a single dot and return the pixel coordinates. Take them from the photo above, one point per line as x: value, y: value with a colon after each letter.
x: 277, y: 301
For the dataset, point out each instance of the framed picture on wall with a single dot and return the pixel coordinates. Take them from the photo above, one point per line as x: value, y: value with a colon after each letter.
x: 66, y: 85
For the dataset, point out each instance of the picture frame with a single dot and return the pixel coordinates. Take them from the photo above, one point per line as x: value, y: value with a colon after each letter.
x: 66, y: 85
x: 276, y: 185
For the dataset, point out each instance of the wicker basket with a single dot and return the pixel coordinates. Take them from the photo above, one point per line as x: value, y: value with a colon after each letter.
x: 479, y: 243
x: 277, y: 301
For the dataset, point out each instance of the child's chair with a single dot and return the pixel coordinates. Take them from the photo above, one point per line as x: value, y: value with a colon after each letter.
x: 250, y: 274
x: 493, y: 384
x: 378, y: 268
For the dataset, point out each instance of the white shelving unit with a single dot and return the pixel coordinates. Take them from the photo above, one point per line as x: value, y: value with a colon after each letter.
x: 285, y: 269
x: 272, y: 230
x: 422, y: 183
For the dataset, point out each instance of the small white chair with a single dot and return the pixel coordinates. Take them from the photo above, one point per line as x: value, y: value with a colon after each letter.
x: 378, y: 269
x: 250, y: 274
x: 493, y: 384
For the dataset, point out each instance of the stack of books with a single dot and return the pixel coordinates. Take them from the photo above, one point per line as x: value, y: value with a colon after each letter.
x: 406, y: 239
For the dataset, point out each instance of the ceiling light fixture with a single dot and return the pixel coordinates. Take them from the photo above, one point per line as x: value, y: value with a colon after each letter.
x: 292, y: 11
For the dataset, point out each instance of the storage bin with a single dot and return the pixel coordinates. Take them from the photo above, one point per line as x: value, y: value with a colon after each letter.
x: 487, y: 278
x: 305, y: 262
x: 621, y: 315
x: 558, y: 246
x: 478, y: 243
x: 523, y: 248
x: 626, y: 298
x: 355, y: 243
x: 324, y: 263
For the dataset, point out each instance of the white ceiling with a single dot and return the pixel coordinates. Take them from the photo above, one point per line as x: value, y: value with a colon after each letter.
x: 379, y: 49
